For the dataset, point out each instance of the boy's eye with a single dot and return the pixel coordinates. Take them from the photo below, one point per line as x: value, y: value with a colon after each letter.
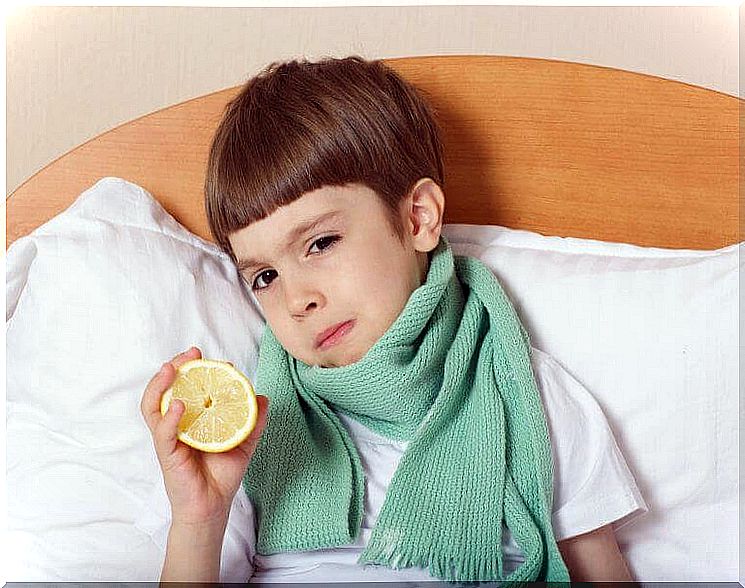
x: 323, y: 243
x: 266, y: 276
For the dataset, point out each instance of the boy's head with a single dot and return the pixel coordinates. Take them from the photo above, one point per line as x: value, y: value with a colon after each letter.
x: 345, y: 142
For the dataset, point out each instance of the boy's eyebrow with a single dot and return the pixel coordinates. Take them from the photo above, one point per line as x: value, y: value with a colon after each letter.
x: 294, y: 235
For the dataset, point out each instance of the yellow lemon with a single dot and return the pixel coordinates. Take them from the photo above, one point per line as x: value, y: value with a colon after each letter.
x: 221, y: 408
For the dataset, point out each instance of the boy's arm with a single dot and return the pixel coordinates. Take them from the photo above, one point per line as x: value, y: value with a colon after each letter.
x: 193, y: 552
x: 594, y: 556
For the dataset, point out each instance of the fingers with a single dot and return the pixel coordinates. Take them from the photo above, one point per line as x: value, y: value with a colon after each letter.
x: 249, y: 445
x: 263, y: 402
x: 159, y: 383
x: 188, y: 355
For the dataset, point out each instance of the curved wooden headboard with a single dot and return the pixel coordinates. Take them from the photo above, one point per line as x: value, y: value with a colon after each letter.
x: 554, y: 147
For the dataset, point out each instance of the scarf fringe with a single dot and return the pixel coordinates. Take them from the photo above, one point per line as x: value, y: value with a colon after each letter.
x: 474, y: 568
x: 471, y: 569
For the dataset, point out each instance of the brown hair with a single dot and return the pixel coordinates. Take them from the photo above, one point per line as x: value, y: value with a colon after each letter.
x: 298, y: 126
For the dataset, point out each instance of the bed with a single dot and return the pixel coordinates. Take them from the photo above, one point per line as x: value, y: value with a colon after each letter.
x: 605, y: 200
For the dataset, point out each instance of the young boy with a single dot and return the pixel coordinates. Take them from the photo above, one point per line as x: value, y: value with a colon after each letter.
x: 409, y: 418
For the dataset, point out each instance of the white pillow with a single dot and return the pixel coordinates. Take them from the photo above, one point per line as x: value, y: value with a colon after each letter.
x: 97, y: 299
x: 104, y: 293
x: 652, y: 334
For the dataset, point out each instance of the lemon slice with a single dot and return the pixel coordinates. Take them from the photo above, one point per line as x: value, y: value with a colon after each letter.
x: 221, y: 408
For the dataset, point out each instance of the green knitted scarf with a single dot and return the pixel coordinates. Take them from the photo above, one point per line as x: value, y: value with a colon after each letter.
x: 451, y: 376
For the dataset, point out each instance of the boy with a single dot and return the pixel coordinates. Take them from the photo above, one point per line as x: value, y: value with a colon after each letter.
x: 324, y: 185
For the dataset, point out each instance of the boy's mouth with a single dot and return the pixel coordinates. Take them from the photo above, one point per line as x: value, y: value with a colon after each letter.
x: 334, y: 334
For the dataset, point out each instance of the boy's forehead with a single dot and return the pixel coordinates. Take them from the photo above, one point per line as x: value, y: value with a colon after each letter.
x: 309, y: 210
x: 275, y: 235
x: 286, y: 224
x: 278, y: 232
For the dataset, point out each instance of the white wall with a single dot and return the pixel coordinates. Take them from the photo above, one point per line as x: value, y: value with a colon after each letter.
x: 74, y: 72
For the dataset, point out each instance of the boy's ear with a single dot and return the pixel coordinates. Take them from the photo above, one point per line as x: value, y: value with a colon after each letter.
x: 425, y: 208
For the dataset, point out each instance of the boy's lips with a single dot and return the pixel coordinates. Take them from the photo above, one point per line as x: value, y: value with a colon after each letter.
x: 333, y: 334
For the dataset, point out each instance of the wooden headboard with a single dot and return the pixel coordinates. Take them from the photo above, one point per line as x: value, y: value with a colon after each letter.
x: 549, y: 146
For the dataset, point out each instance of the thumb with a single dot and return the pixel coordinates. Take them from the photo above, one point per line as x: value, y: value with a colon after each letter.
x: 169, y: 426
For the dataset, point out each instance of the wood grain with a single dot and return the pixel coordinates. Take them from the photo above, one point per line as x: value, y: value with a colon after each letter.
x: 555, y: 147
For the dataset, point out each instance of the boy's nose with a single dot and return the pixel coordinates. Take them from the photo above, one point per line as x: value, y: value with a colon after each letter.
x: 301, y: 310
x: 303, y: 301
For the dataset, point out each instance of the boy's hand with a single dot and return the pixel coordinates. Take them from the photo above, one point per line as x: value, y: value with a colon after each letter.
x: 200, y: 486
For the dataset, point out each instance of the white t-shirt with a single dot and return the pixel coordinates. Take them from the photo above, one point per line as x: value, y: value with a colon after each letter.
x: 592, y: 488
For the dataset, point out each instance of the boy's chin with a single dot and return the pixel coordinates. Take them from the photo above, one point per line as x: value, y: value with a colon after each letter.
x: 335, y: 362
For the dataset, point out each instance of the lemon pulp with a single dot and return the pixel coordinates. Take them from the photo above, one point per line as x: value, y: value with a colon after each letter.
x: 220, y: 402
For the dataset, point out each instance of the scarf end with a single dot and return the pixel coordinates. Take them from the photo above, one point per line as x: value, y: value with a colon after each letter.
x: 442, y: 567
x: 464, y: 567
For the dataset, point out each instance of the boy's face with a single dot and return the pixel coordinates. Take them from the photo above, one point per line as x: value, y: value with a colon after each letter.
x: 330, y: 275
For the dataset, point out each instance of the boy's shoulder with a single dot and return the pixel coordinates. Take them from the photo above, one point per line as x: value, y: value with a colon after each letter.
x: 556, y: 379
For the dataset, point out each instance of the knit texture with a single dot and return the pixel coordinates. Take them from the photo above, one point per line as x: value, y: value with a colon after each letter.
x: 452, y: 376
